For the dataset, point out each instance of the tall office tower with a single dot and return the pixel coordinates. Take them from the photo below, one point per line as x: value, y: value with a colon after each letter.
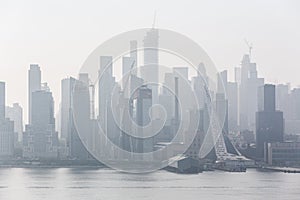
x: 40, y: 138
x: 166, y: 98
x: 248, y: 93
x: 77, y: 102
x: 183, y: 91
x: 6, y: 128
x: 266, y: 98
x: 133, y: 54
x: 282, y: 96
x: 34, y: 84
x: 194, y: 149
x: 176, y: 103
x: 169, y: 84
x: 67, y: 88
x: 222, y: 111
x: 2, y: 100
x: 232, y: 96
x: 221, y: 100
x: 222, y: 82
x: 42, y: 109
x: 106, y: 84
x: 127, y: 64
x: 283, y: 104
x: 150, y: 70
x: 143, y: 105
x: 199, y: 83
x: 15, y: 113
x: 237, y: 75
x: 237, y: 79
x: 269, y: 122
x: 291, y: 110
x: 6, y: 138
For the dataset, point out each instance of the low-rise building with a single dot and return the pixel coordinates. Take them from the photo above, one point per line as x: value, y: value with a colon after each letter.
x: 282, y: 153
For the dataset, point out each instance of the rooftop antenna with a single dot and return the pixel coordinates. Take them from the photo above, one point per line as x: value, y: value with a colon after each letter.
x: 154, y: 19
x: 250, y: 46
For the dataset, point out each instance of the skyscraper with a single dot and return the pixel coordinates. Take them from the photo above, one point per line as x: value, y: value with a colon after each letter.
x: 222, y: 82
x: 133, y: 54
x: 67, y: 87
x: 291, y: 109
x: 183, y: 83
x: 40, y: 138
x: 221, y: 100
x: 127, y: 63
x: 15, y: 113
x: 232, y: 96
x: 34, y: 84
x: 266, y: 98
x: 143, y: 105
x: 106, y: 84
x: 269, y: 121
x: 2, y: 100
x: 248, y: 93
x: 78, y: 119
x: 6, y: 128
x: 150, y: 70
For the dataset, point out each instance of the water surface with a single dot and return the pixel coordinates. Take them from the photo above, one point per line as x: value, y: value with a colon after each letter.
x: 104, y: 184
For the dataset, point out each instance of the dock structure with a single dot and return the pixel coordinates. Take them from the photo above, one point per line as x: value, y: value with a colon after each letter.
x: 282, y: 169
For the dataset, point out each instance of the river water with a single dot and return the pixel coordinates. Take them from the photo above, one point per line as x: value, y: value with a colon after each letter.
x: 106, y: 184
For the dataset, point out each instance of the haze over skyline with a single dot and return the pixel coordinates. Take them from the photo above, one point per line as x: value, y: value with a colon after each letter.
x: 60, y: 35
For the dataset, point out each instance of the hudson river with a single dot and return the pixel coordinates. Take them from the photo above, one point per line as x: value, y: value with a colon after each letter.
x: 106, y: 184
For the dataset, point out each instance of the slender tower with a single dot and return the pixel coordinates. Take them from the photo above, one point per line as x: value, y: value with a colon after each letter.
x: 34, y: 84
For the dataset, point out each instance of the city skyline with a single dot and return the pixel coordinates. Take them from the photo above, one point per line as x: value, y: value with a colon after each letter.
x: 153, y: 99
x: 235, y: 104
x: 32, y: 45
x: 57, y: 99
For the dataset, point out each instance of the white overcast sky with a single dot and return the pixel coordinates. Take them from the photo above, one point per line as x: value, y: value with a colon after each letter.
x: 59, y: 35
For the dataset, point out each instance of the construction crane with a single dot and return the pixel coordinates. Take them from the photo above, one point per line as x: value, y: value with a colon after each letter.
x: 250, y: 46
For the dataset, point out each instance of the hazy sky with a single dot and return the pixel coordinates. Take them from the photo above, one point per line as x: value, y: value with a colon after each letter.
x: 59, y: 35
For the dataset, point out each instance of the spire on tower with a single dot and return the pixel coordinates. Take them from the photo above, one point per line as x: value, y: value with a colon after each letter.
x: 250, y: 46
x: 154, y: 20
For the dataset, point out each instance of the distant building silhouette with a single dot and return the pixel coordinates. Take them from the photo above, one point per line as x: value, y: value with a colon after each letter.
x: 2, y: 100
x: 6, y: 128
x: 15, y: 113
x: 248, y: 93
x: 40, y: 140
x: 106, y: 84
x: 150, y: 70
x: 76, y: 91
x: 269, y: 121
x: 232, y: 96
x: 143, y: 105
x: 34, y: 84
